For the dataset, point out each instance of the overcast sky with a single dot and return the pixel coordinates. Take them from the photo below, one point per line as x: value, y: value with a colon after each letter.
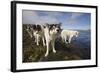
x: 69, y: 20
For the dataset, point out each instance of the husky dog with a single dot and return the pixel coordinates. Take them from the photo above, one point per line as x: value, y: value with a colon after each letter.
x: 68, y: 35
x: 50, y: 33
x: 29, y: 30
x: 36, y: 31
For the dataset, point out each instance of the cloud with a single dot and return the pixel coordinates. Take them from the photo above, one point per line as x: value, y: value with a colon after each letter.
x: 73, y: 18
x: 31, y: 17
x: 48, y: 19
x: 41, y: 17
x: 54, y: 14
x: 76, y: 15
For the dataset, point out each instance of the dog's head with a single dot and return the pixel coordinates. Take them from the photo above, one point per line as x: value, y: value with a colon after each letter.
x: 76, y: 33
x: 29, y: 27
x: 36, y: 28
x: 55, y: 27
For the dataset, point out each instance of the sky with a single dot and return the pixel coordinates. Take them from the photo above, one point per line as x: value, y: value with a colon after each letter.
x: 69, y: 20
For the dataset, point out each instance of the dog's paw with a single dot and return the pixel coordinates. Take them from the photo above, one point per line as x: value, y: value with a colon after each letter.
x: 54, y: 51
x: 37, y: 44
x: 46, y: 54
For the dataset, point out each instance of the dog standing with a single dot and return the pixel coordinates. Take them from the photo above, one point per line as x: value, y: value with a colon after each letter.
x: 47, y: 32
x: 50, y: 33
x: 68, y: 35
x: 36, y: 31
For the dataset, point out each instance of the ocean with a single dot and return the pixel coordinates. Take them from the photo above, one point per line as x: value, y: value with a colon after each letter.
x: 84, y: 39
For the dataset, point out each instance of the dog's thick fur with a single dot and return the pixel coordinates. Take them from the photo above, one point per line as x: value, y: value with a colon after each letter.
x: 68, y: 35
x: 50, y: 33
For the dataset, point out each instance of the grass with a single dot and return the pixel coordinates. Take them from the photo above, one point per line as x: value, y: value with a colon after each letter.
x: 65, y: 52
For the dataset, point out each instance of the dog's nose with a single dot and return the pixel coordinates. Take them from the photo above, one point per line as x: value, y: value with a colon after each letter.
x: 57, y: 30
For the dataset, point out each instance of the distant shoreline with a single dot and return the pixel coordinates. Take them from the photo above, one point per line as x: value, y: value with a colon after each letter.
x: 79, y: 29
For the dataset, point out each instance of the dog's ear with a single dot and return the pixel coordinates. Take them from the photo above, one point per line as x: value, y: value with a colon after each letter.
x: 39, y: 27
x: 34, y: 27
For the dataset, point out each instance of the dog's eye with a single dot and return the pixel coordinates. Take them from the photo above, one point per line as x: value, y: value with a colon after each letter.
x: 44, y: 26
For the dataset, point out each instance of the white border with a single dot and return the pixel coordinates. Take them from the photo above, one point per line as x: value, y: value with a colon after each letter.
x: 37, y: 65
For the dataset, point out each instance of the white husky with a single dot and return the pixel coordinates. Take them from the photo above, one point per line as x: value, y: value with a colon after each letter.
x: 68, y: 35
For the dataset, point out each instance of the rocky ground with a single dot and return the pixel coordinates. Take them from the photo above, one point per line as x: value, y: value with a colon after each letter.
x: 65, y: 52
